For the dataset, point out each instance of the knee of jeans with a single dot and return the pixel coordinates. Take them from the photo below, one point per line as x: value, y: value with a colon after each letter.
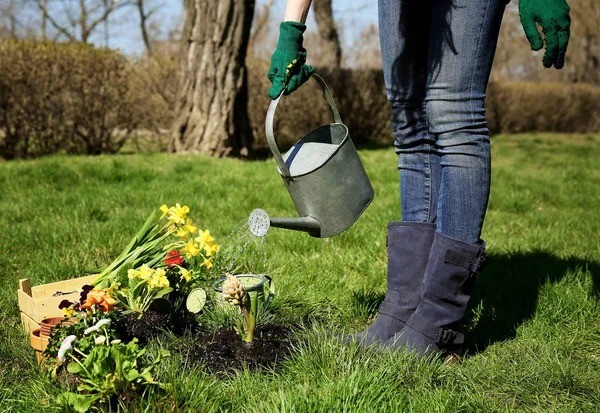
x: 409, y: 125
x: 456, y: 121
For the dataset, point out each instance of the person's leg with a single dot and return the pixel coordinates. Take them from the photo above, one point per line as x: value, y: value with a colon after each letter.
x: 404, y: 35
x: 461, y: 50
x: 404, y: 31
x: 463, y: 39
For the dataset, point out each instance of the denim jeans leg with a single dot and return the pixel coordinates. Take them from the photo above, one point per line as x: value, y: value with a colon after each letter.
x: 404, y: 33
x: 461, y: 50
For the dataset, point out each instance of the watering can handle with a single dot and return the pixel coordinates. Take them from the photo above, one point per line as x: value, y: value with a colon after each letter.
x: 271, y: 114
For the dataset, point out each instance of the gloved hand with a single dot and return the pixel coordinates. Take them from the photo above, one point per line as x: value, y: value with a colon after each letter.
x: 288, y: 62
x: 553, y: 16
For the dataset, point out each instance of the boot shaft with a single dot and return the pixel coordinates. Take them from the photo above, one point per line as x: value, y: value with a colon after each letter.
x: 449, y: 280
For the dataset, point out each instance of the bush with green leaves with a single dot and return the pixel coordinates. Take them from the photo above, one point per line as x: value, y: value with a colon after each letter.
x: 64, y: 97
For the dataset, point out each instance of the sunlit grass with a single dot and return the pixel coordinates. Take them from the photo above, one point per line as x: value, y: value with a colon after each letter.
x: 533, y: 327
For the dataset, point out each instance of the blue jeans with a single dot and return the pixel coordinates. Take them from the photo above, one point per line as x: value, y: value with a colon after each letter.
x: 437, y: 56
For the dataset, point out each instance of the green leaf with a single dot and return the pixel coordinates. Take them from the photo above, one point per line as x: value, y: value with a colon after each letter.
x: 80, y: 402
x: 74, y: 367
x: 163, y: 292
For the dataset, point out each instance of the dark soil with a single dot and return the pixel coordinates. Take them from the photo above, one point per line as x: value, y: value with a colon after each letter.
x: 161, y: 317
x: 151, y: 324
x: 224, y: 352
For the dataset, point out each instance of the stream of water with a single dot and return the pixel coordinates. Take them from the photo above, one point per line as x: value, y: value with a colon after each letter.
x: 245, y: 250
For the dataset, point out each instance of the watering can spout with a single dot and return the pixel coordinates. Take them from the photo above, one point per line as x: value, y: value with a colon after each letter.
x: 259, y: 223
x: 306, y: 224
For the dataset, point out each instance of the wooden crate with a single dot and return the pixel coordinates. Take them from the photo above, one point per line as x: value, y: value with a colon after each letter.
x: 38, y: 303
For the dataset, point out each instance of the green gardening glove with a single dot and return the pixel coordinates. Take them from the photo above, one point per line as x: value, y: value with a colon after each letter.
x: 288, y: 62
x: 553, y: 16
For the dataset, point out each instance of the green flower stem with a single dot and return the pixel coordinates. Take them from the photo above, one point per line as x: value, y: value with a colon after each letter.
x: 248, y: 336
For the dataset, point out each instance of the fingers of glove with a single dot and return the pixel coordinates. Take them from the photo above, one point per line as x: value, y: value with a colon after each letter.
x: 563, y: 42
x: 277, y: 87
x: 299, y: 78
x: 551, y: 35
x: 531, y: 31
x: 271, y: 74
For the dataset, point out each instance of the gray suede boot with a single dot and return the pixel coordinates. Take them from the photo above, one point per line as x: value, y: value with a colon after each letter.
x: 408, y: 251
x: 447, y: 286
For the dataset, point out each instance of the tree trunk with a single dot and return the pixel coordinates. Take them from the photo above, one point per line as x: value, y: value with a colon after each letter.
x: 211, y: 106
x: 331, y: 51
x: 144, y: 26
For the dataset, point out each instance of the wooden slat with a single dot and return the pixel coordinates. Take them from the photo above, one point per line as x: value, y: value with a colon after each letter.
x: 37, y: 303
x: 47, y: 290
x: 28, y: 323
x: 25, y: 286
x: 26, y: 304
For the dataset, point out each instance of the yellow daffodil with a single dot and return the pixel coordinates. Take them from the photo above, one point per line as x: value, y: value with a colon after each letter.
x: 191, y: 249
x: 132, y: 274
x: 185, y: 274
x: 178, y: 214
x: 110, y: 290
x: 181, y: 233
x: 209, y: 250
x: 189, y: 227
x: 165, y: 210
x: 208, y: 264
x: 204, y: 238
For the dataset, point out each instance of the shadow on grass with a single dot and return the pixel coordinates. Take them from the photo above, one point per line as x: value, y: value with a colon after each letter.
x: 509, y: 288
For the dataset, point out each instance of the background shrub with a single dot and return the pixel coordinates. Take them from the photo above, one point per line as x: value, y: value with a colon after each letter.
x: 543, y: 106
x: 64, y: 97
x: 361, y: 98
x: 74, y: 98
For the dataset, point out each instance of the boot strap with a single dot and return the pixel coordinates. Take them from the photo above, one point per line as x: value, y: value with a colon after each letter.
x: 391, y: 310
x: 443, y: 337
x: 472, y: 264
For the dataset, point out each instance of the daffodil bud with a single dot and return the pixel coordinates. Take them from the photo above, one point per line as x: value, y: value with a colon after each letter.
x: 233, y: 291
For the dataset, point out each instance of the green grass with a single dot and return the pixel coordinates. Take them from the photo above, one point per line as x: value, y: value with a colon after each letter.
x: 533, y: 327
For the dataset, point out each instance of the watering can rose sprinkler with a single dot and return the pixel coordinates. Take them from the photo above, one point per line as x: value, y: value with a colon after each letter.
x: 323, y: 175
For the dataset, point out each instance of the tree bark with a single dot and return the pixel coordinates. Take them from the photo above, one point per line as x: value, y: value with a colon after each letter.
x: 211, y: 107
x: 331, y: 55
x: 144, y: 26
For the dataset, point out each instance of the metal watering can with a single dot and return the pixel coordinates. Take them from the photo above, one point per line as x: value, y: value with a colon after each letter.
x: 323, y: 175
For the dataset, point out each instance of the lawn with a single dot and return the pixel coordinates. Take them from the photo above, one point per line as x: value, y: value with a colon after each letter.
x: 533, y: 326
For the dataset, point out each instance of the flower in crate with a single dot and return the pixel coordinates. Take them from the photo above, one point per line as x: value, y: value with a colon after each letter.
x: 66, y: 346
x: 173, y: 259
x: 84, y: 292
x: 67, y: 307
x: 99, y: 299
x: 99, y: 340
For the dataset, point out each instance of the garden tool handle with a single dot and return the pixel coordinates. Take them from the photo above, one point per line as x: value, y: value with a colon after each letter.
x: 271, y: 115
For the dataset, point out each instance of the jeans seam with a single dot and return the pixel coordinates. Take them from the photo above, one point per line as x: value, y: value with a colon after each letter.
x: 478, y: 60
x: 430, y: 178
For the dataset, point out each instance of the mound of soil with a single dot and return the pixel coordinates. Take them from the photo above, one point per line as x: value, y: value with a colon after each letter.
x: 224, y: 352
x: 151, y: 324
x: 162, y: 316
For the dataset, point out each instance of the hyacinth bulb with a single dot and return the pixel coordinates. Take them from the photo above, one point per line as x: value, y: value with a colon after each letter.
x: 233, y: 291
